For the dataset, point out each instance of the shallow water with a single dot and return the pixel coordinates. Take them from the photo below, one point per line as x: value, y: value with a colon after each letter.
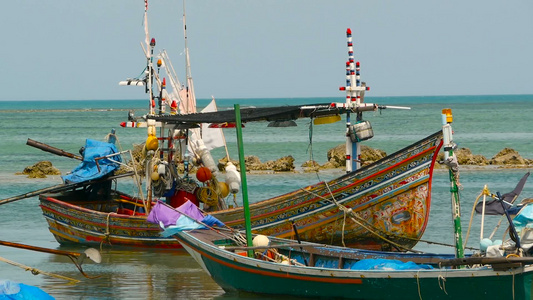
x: 482, y: 124
x: 156, y: 274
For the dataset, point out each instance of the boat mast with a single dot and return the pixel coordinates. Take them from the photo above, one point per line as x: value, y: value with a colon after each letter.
x: 355, y: 92
x: 450, y: 160
x: 189, y: 88
x: 150, y: 44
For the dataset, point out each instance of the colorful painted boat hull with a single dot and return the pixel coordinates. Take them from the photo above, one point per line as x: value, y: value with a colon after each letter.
x: 237, y: 273
x: 390, y: 197
x: 77, y: 222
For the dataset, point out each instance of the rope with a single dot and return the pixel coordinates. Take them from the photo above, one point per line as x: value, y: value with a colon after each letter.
x: 354, y: 215
x: 208, y: 196
x: 350, y: 211
x: 107, y: 233
x: 343, y: 227
x: 373, y: 229
x: 418, y: 284
x: 137, y: 178
x: 472, y: 218
x: 442, y: 283
x: 35, y: 271
x: 235, y: 200
x: 106, y: 138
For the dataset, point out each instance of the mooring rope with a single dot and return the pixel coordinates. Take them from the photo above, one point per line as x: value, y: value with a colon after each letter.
x: 35, y: 271
x: 353, y: 217
x: 472, y: 216
x: 418, y: 284
x: 107, y: 233
x: 373, y: 229
x: 343, y: 227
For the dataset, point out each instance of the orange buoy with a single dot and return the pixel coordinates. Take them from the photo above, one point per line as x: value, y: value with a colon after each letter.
x: 203, y: 174
x: 223, y: 188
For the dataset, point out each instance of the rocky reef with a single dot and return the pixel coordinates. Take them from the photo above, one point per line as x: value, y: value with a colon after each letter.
x: 506, y: 158
x: 253, y: 163
x: 40, y: 170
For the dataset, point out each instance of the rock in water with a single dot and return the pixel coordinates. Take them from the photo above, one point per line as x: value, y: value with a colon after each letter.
x: 284, y: 164
x: 41, y: 169
x: 337, y: 156
x: 508, y: 156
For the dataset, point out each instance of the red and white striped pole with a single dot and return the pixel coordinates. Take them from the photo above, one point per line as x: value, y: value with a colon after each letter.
x: 354, y: 92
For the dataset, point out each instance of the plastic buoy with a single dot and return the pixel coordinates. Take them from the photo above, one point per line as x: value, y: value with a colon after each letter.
x: 152, y: 143
x: 233, y: 178
x: 224, y: 189
x: 203, y: 174
x: 260, y: 241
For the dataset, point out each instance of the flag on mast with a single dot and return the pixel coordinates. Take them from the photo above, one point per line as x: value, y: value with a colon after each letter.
x: 212, y: 137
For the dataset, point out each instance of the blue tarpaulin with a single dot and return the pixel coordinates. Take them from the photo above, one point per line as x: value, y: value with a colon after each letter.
x: 387, y: 264
x: 10, y: 290
x: 524, y: 218
x: 88, y: 170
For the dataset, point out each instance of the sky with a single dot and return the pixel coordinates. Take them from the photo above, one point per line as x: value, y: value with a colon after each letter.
x: 80, y: 50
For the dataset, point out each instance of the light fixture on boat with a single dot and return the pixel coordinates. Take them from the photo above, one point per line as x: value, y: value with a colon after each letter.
x: 447, y: 112
x: 152, y: 42
x: 361, y: 131
x: 289, y: 123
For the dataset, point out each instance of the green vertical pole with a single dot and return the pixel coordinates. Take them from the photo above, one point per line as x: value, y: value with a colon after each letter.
x: 456, y: 215
x: 453, y: 169
x: 244, y: 185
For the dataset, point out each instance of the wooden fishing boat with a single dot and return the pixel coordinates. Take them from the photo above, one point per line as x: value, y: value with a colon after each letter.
x: 382, y: 206
x: 307, y: 270
x: 392, y: 197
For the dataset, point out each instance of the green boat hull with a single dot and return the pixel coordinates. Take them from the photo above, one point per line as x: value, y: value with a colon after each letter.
x: 237, y: 273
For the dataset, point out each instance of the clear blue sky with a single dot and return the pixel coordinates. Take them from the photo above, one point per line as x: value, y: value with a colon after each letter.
x: 70, y: 50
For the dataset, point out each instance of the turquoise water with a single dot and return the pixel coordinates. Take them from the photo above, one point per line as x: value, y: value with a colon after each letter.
x: 485, y: 124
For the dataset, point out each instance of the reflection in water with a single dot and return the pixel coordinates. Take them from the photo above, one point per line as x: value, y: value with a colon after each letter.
x: 126, y: 274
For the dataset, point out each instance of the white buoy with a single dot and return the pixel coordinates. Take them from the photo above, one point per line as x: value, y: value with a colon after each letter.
x: 260, y: 241
x: 233, y: 178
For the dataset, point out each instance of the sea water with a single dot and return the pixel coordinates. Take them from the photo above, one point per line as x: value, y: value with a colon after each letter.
x: 484, y: 124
